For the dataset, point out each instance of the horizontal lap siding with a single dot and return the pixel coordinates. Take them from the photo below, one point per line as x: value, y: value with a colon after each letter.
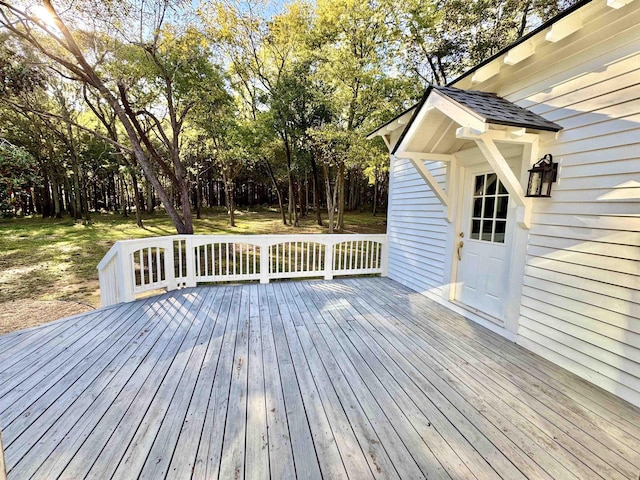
x: 581, y: 297
x: 416, y: 229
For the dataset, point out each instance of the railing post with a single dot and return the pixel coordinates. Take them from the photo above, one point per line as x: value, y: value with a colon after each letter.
x: 384, y: 257
x: 169, y: 264
x: 190, y: 280
x: 265, y: 262
x: 328, y: 261
x: 125, y: 275
x: 3, y: 465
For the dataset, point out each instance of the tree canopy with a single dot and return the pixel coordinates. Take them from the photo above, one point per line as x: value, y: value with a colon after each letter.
x: 128, y: 104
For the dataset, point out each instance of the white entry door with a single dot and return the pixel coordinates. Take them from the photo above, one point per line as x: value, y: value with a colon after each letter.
x: 483, y: 245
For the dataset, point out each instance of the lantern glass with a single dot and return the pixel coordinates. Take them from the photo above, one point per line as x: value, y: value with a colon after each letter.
x: 541, y: 176
x: 535, y: 183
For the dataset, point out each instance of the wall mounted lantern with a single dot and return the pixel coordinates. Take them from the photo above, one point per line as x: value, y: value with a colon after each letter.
x: 543, y: 173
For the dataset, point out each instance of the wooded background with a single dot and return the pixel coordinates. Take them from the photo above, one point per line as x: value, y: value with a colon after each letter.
x: 132, y: 105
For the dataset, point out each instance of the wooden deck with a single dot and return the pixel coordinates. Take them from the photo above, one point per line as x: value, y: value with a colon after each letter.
x: 357, y: 378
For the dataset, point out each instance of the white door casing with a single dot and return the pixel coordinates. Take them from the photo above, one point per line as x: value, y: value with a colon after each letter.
x: 486, y: 233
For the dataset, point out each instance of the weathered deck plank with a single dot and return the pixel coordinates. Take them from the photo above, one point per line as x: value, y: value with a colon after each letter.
x: 347, y: 379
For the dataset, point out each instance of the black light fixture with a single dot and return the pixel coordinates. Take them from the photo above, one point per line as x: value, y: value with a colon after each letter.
x: 543, y: 173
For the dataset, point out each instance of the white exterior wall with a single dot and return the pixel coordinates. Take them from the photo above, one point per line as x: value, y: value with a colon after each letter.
x: 416, y: 228
x: 580, y: 305
x: 581, y: 297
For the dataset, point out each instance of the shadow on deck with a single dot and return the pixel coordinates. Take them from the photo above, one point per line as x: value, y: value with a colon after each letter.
x: 358, y: 378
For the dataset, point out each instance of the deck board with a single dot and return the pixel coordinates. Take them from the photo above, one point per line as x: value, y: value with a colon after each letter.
x: 347, y: 379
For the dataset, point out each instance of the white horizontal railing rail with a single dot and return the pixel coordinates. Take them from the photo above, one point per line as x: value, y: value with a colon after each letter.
x: 132, y: 267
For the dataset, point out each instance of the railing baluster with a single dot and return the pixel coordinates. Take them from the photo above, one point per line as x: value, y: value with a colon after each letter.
x: 307, y: 249
x: 158, y: 266
x: 141, y: 258
x: 254, y: 259
x: 351, y: 255
x: 233, y: 247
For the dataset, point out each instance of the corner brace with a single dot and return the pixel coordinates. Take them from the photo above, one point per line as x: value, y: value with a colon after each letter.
x: 417, y: 159
x: 486, y: 144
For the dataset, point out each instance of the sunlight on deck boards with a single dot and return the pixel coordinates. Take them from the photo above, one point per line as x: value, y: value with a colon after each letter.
x: 356, y: 378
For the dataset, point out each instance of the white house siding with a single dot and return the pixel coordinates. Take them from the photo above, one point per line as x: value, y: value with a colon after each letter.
x: 416, y: 229
x: 581, y: 295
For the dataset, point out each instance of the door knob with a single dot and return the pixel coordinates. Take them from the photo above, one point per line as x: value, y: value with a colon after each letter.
x: 460, y: 245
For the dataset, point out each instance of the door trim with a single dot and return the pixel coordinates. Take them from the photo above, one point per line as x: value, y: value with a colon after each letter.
x: 517, y: 258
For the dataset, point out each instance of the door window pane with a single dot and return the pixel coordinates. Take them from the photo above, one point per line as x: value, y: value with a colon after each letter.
x: 475, y: 229
x: 487, y: 227
x: 503, y: 205
x: 489, y: 209
x: 500, y: 229
x: 489, y: 205
x: 479, y: 189
x: 492, y: 180
x: 477, y: 207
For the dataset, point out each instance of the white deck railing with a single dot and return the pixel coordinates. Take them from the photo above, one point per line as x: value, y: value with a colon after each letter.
x: 132, y: 267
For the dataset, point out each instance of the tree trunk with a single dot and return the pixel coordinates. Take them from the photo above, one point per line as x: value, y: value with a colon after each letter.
x: 375, y: 192
x: 229, y: 188
x: 278, y: 192
x: 341, y: 193
x: 199, y: 195
x: 123, y: 195
x: 55, y: 191
x: 151, y: 204
x: 331, y: 199
x: 137, y: 193
x: 316, y: 190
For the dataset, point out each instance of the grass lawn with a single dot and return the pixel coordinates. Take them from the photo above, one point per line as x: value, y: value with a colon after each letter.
x: 46, y: 259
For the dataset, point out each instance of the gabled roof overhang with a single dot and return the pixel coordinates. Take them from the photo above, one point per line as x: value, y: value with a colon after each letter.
x: 472, y: 109
x: 470, y: 116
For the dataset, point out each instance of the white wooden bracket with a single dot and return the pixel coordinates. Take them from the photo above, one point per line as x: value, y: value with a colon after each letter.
x: 485, y: 73
x: 564, y: 27
x: 519, y: 53
x: 618, y: 3
x: 495, y: 159
x: 418, y: 159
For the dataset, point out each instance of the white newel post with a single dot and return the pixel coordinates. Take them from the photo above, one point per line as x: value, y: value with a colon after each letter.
x: 190, y: 280
x: 265, y: 262
x: 384, y: 257
x: 125, y: 274
x: 3, y: 465
x: 169, y: 264
x: 328, y: 261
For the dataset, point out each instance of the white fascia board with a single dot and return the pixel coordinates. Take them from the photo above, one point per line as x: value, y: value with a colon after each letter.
x: 425, y: 156
x: 397, y: 123
x: 415, y: 125
x: 456, y: 112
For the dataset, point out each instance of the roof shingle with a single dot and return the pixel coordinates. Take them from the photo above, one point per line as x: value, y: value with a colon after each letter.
x: 497, y: 110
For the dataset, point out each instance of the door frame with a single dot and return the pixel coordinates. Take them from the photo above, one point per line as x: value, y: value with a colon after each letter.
x: 516, y: 258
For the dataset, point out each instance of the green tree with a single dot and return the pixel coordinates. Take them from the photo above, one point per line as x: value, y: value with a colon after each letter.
x: 170, y: 61
x: 18, y: 174
x: 443, y: 38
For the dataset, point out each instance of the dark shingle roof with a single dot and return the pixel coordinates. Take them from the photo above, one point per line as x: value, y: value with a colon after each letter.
x: 492, y: 108
x: 497, y: 110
